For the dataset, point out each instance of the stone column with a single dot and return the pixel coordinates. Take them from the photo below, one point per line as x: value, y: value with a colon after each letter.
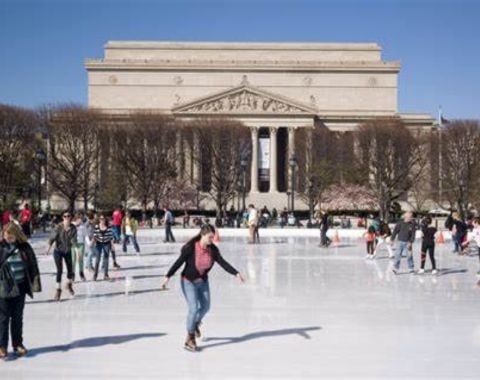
x: 291, y: 151
x: 179, y: 155
x: 254, y: 168
x: 273, y: 160
x: 187, y: 151
x: 196, y: 159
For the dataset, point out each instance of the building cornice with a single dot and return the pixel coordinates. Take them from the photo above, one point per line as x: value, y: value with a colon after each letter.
x: 251, y: 65
x: 178, y: 45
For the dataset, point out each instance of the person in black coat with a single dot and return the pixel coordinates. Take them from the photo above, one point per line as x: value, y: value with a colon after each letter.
x: 198, y: 257
x: 19, y: 276
x: 454, y: 221
x: 428, y: 245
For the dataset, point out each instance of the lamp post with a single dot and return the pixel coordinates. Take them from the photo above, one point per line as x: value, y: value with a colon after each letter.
x: 95, y: 191
x: 41, y: 159
x: 293, y: 162
x: 243, y: 165
x: 239, y: 191
x: 198, y: 198
x: 310, y: 204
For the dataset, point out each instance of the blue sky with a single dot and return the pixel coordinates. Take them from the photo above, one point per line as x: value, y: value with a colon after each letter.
x: 43, y: 43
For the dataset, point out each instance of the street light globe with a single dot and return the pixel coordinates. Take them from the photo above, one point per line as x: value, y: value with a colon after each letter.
x: 40, y: 155
x: 292, y: 161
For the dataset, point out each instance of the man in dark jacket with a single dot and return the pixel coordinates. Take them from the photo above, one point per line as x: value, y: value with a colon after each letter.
x: 459, y: 230
x: 405, y: 230
x: 323, y: 219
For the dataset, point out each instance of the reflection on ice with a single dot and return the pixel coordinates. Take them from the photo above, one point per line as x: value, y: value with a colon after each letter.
x: 304, y: 311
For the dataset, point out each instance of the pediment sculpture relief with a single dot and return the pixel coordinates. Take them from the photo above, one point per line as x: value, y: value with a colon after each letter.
x: 244, y: 101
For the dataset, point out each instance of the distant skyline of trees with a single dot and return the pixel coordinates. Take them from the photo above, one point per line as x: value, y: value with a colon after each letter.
x: 149, y: 161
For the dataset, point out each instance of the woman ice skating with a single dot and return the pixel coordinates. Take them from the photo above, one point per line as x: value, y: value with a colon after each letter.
x: 428, y: 245
x: 19, y: 275
x: 384, y: 234
x: 90, y: 240
x: 198, y: 255
x: 129, y: 231
x: 78, y: 252
x: 103, y: 240
x: 65, y: 239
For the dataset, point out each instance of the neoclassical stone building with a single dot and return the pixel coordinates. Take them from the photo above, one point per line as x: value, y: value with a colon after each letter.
x: 273, y: 88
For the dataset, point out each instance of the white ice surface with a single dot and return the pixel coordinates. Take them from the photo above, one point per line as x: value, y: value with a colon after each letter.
x: 303, y: 312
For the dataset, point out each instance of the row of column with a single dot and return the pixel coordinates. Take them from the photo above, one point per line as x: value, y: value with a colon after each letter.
x: 273, y: 158
x: 254, y: 166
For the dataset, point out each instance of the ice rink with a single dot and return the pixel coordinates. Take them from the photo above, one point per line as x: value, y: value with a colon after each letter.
x: 304, y: 311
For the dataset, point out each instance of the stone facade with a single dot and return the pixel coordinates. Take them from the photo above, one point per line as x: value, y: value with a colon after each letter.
x: 264, y: 85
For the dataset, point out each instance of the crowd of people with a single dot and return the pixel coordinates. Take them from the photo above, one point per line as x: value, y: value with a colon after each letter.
x: 232, y: 218
x: 92, y: 234
x: 465, y: 235
x: 88, y: 241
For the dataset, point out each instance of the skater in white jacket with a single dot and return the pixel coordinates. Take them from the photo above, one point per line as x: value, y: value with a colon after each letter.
x: 383, y: 238
x: 474, y: 236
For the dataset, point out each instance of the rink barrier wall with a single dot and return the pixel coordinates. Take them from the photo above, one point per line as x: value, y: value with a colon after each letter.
x: 270, y: 232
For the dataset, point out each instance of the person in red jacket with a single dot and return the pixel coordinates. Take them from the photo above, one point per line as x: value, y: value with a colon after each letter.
x: 117, y: 218
x: 198, y: 257
x: 25, y: 220
x: 6, y: 217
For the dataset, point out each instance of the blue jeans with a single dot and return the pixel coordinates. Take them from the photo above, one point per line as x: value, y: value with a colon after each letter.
x: 168, y: 233
x: 92, y: 252
x: 133, y: 239
x: 59, y: 257
x: 116, y: 233
x: 105, y: 248
x: 403, y: 245
x: 197, y: 295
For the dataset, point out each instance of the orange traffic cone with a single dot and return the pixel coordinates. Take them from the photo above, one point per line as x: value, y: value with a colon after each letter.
x: 216, y: 237
x: 336, y: 238
x: 440, y: 238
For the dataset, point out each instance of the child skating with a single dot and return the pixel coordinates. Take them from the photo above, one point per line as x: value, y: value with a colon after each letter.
x: 370, y: 238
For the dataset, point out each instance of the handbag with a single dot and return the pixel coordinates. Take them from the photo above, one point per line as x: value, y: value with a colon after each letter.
x: 8, y: 285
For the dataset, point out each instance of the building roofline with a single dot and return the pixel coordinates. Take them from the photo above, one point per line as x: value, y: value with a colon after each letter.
x: 190, y: 45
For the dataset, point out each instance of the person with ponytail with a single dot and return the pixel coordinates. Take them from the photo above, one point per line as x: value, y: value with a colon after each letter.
x: 198, y: 256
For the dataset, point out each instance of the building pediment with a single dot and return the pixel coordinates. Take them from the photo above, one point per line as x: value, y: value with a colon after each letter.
x: 243, y: 100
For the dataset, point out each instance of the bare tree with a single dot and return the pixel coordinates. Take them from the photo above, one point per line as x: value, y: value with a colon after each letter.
x: 222, y: 143
x: 145, y: 150
x: 422, y: 192
x: 17, y: 128
x: 177, y: 193
x: 389, y: 160
x: 319, y: 167
x: 72, y: 132
x: 461, y: 163
x: 348, y: 197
